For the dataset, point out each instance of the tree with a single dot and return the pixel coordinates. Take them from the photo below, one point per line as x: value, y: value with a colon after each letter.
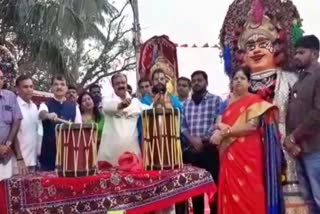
x: 84, y: 40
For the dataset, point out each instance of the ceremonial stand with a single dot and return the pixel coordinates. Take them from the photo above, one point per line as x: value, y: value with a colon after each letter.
x: 132, y: 192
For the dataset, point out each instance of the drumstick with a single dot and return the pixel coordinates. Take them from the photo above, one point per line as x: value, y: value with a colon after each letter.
x: 63, y: 121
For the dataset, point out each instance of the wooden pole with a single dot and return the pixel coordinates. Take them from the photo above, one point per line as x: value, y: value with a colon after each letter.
x: 136, y: 34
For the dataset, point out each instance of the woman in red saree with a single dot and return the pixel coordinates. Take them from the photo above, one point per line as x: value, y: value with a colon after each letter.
x: 250, y: 153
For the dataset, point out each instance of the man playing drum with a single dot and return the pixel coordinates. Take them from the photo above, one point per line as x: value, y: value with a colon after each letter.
x: 120, y: 133
x: 55, y: 108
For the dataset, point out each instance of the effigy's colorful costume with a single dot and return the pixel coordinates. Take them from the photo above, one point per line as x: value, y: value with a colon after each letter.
x: 261, y: 34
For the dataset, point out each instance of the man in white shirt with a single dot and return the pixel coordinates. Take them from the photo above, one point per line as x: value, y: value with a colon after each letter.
x: 120, y: 133
x: 49, y: 112
x: 28, y: 133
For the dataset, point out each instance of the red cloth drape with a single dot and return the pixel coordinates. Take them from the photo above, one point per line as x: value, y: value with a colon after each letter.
x: 3, y: 199
x: 135, y: 192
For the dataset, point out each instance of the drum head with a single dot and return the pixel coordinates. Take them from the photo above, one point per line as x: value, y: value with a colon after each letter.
x: 161, y: 111
x: 77, y: 126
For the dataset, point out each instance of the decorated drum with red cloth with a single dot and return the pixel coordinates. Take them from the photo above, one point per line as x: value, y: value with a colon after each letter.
x: 161, y: 144
x: 76, y: 149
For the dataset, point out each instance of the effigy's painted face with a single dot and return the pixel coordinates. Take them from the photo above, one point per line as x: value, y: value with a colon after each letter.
x: 259, y: 53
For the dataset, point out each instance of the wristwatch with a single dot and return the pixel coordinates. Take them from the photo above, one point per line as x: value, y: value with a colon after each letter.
x: 19, y: 159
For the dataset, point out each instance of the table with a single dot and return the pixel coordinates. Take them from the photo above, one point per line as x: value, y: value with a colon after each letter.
x: 134, y: 192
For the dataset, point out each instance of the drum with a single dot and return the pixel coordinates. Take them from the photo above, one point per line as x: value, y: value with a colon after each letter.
x: 76, y: 149
x: 161, y: 144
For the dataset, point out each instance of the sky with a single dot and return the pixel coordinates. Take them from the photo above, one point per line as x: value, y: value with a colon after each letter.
x: 199, y: 22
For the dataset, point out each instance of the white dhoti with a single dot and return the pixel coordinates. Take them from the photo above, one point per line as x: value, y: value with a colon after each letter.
x: 6, y: 170
x: 113, y: 145
x: 120, y: 132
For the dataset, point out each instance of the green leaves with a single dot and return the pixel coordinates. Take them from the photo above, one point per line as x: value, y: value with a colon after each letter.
x: 57, y: 33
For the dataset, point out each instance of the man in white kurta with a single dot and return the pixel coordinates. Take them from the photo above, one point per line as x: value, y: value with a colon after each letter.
x: 28, y: 132
x: 120, y: 133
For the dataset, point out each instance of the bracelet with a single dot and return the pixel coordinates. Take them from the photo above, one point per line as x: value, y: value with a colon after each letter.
x: 19, y: 159
x: 292, y: 140
x: 229, y: 131
x: 8, y: 143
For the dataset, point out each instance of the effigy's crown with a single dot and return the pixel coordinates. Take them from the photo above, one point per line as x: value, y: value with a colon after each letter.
x: 264, y: 28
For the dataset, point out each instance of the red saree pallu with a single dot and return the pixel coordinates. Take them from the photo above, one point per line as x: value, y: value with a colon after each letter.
x: 113, y: 190
x: 250, y: 173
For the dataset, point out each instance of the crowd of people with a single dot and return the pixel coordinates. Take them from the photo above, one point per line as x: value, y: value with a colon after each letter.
x: 227, y: 138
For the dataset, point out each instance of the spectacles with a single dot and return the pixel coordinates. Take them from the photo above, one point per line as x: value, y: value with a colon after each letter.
x: 261, y: 44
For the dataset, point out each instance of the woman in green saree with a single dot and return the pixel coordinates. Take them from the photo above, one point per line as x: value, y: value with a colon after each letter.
x: 90, y: 112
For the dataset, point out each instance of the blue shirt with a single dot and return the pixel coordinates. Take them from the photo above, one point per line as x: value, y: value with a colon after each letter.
x: 199, y: 120
x: 147, y: 99
x: 223, y: 106
x: 9, y: 112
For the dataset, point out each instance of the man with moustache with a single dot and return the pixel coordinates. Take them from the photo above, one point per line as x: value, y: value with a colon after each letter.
x: 160, y: 96
x: 120, y: 133
x: 184, y: 89
x: 198, y: 118
x: 144, y: 85
x: 72, y: 94
x: 28, y: 140
x: 95, y: 91
x: 56, y: 107
x: 10, y: 119
x: 303, y: 120
x: 144, y: 90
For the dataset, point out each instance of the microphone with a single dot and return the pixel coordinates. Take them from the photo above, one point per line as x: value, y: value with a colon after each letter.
x: 159, y: 89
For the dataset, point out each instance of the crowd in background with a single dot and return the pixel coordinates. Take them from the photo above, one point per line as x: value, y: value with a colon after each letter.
x: 223, y: 137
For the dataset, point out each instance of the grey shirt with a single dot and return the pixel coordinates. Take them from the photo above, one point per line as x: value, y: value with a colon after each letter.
x: 9, y: 112
x: 303, y: 117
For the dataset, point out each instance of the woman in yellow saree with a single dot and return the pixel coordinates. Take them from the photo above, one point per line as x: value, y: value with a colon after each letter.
x: 250, y: 153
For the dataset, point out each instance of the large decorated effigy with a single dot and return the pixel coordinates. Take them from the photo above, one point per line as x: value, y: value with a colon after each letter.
x: 261, y: 34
